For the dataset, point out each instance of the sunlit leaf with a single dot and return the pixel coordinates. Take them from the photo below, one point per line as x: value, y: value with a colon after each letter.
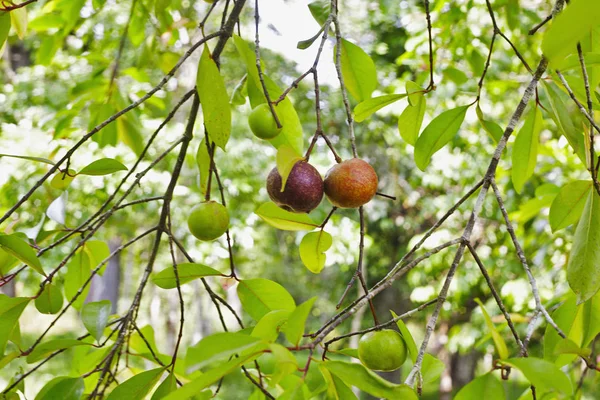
x: 104, y: 166
x: 483, y: 387
x: 44, y: 349
x: 542, y: 374
x: 498, y: 340
x: 371, y: 105
x: 568, y: 205
x: 312, y: 250
x: 10, y: 311
x: 358, y: 70
x: 138, y: 386
x: 62, y: 387
x: 285, y: 220
x: 525, y: 149
x: 287, y: 157
x: 295, y: 326
x: 187, y: 272
x: 408, y: 339
x: 259, y: 296
x: 95, y: 317
x: 50, y: 301
x: 16, y: 246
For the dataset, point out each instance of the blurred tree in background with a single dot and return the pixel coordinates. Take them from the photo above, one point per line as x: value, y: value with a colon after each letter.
x: 478, y: 117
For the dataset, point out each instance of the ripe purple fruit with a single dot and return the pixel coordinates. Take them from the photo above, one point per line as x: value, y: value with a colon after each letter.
x: 303, y: 190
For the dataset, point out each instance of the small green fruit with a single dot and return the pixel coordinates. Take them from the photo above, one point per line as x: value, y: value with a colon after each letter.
x: 208, y: 220
x: 383, y: 350
x: 262, y: 123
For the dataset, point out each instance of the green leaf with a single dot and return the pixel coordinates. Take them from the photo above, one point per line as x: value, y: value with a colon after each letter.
x: 287, y: 157
x: 583, y: 270
x: 437, y: 134
x: 498, y: 340
x: 62, y: 180
x: 357, y: 375
x: 358, y: 71
x: 78, y: 272
x: 590, y: 315
x: 483, y: 387
x: 312, y: 250
x: 10, y: 311
x: 285, y: 220
x: 62, y: 387
x: 268, y: 327
x: 408, y: 339
x: 568, y: 205
x: 561, y: 117
x: 305, y: 44
x: 50, y: 301
x: 568, y: 28
x: 320, y: 10
x: 193, y: 388
x: 411, y: 119
x: 567, y: 346
x: 349, y: 352
x: 97, y: 251
x: 18, y: 19
x: 294, y: 328
x: 138, y: 386
x: 203, y: 161
x: 492, y: 128
x: 431, y: 368
x: 214, y: 99
x: 4, y: 28
x: 43, y: 350
x: 38, y: 159
x: 108, y: 135
x: 525, y: 150
x: 104, y: 166
x: 16, y: 246
x: 220, y: 346
x: 542, y: 374
x: 569, y: 318
x: 336, y: 388
x: 95, y: 317
x: 167, y: 386
x: 259, y: 296
x: 369, y: 106
x: 285, y: 363
x: 187, y: 272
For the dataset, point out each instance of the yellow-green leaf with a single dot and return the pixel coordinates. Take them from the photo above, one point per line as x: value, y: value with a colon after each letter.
x: 287, y: 157
x: 104, y: 166
x: 498, y: 340
x: 15, y: 245
x: 369, y: 106
x: 214, y: 100
x: 18, y: 19
x: 358, y: 71
x: 50, y: 301
x: 525, y: 150
x: 187, y: 272
x: 285, y: 220
x: 568, y: 205
x: 313, y: 248
x: 294, y: 328
x: 411, y: 119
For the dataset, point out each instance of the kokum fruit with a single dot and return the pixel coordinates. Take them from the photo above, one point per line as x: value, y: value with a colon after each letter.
x: 262, y: 123
x: 382, y: 350
x: 351, y: 183
x: 303, y: 190
x: 208, y: 220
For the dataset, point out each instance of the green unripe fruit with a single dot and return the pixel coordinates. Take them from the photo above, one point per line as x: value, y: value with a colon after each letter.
x: 262, y: 123
x: 383, y: 350
x: 208, y: 220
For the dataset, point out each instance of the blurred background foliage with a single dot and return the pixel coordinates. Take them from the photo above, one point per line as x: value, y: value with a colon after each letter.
x: 54, y: 87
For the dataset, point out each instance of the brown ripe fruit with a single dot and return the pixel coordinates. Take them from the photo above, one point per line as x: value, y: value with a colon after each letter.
x: 351, y: 183
x: 303, y: 189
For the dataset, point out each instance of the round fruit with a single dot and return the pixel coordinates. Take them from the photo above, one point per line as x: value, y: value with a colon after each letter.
x: 208, y: 220
x: 262, y: 123
x: 303, y: 189
x: 383, y: 350
x: 351, y: 183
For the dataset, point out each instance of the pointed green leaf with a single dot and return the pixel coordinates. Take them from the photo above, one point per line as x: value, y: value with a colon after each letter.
x: 525, y: 150
x: 285, y: 220
x: 38, y: 159
x: 268, y: 327
x: 371, y: 105
x: 431, y: 368
x: 408, y: 339
x: 10, y: 311
x: 411, y: 119
x: 78, y: 272
x: 568, y: 205
x: 62, y: 387
x: 320, y: 10
x: 498, y: 340
x: 336, y: 388
x: 104, y: 166
x: 295, y: 326
x: 203, y: 161
x: 19, y: 21
x: 583, y: 270
x: 95, y: 317
x: 187, y: 272
x: 357, y: 375
x: 50, y: 301
x: 214, y: 99
x: 167, y: 386
x: 259, y: 296
x: 62, y: 180
x: 542, y: 374
x: 312, y: 250
x: 287, y: 157
x: 43, y: 350
x: 15, y: 245
x: 492, y: 128
x: 568, y: 28
x: 4, y: 28
x: 220, y: 346
x: 138, y: 386
x: 358, y: 71
x: 437, y: 134
x: 483, y: 387
x: 567, y: 346
x: 285, y: 363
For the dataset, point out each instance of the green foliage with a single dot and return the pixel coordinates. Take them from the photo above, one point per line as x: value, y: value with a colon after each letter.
x: 259, y: 296
x: 104, y: 166
x: 95, y: 317
x: 484, y: 386
x: 286, y: 220
x: 186, y: 272
x: 358, y: 70
x: 312, y: 250
x: 524, y: 156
